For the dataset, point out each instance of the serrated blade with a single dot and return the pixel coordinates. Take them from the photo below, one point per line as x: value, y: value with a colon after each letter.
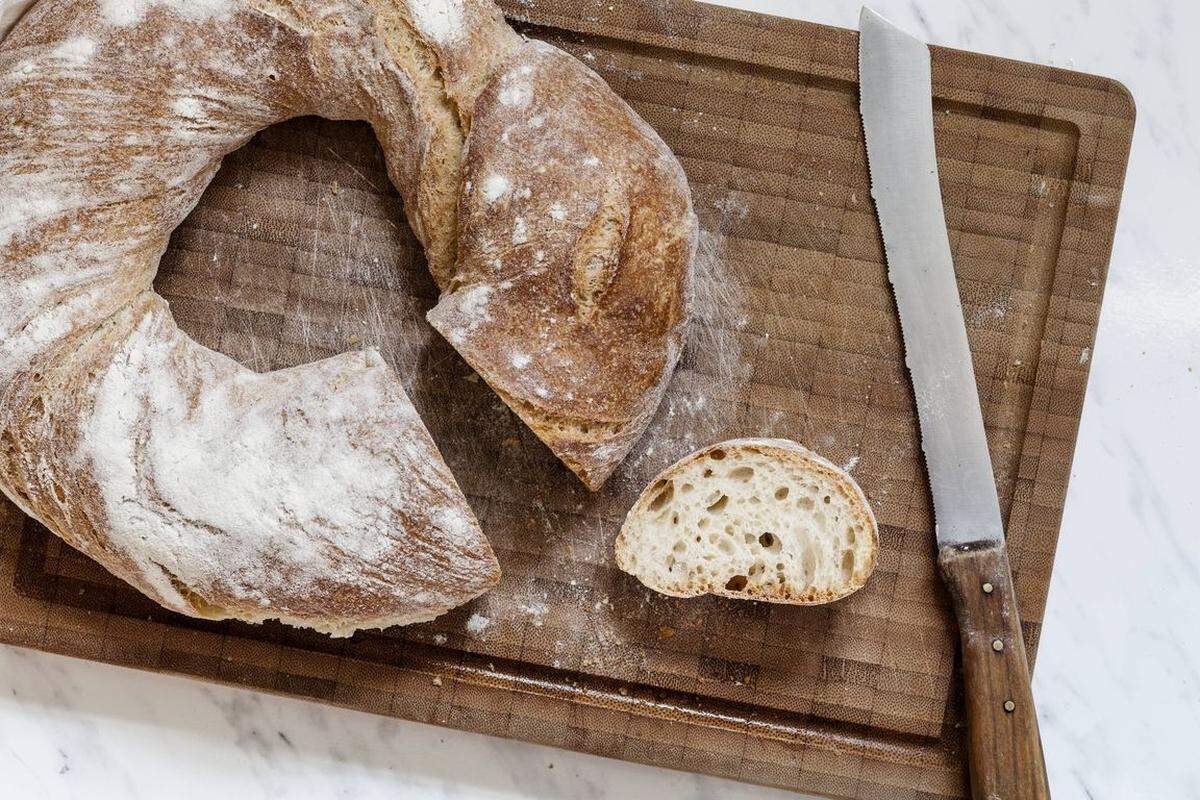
x: 897, y: 112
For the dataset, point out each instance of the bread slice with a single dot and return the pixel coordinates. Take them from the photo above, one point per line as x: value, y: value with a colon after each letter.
x: 765, y: 519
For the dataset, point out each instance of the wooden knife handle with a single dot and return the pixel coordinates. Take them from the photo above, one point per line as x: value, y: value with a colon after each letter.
x: 1004, y: 747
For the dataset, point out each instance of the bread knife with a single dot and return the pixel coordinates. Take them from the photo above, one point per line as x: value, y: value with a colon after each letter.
x: 1004, y: 747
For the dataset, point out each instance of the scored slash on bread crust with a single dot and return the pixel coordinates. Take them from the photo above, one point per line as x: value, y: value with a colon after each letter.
x: 764, y: 519
x: 314, y: 495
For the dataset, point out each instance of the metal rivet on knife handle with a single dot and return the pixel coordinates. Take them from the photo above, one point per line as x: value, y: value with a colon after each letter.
x: 997, y: 645
x: 988, y: 588
x: 1010, y: 706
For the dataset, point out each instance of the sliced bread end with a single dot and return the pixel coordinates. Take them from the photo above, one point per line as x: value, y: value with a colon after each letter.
x: 763, y: 519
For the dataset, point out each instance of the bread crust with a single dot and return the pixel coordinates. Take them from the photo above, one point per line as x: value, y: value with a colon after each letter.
x: 312, y: 495
x: 573, y: 286
x: 783, y: 450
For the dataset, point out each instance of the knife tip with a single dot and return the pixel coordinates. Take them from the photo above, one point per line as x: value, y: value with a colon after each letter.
x: 868, y: 16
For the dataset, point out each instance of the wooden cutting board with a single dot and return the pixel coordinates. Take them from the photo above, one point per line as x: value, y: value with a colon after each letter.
x: 299, y: 250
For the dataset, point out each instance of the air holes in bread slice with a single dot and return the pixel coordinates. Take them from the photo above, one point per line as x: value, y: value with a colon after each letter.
x: 665, y: 493
x: 847, y: 564
x: 808, y: 564
x: 759, y: 524
x: 770, y: 542
x: 741, y: 473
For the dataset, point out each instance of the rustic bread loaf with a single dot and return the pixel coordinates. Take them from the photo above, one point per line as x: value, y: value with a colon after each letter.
x: 575, y: 312
x: 764, y: 519
x: 315, y: 494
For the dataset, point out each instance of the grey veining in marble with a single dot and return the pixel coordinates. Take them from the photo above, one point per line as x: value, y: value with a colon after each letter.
x: 1118, y: 675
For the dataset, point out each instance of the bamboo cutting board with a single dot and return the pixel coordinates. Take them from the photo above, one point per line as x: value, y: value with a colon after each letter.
x: 299, y: 250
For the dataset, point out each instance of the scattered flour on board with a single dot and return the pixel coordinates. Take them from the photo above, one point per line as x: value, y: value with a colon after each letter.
x: 731, y: 208
x: 720, y: 303
x: 996, y: 311
x: 520, y: 360
x: 440, y: 639
x: 477, y: 623
x: 440, y: 20
x: 557, y: 212
x: 537, y: 611
x: 851, y: 464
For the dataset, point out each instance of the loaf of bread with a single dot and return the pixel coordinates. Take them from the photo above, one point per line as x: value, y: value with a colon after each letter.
x: 765, y: 519
x: 314, y: 495
x: 574, y: 310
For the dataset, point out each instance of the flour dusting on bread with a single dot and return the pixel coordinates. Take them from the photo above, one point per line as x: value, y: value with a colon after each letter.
x: 130, y: 12
x: 313, y: 495
x: 440, y: 20
x: 592, y: 285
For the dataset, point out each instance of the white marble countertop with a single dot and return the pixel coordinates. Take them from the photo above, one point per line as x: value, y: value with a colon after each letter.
x: 1118, y: 675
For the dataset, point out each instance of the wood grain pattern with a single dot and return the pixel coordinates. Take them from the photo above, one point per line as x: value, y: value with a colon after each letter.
x: 298, y: 251
x: 1004, y: 747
